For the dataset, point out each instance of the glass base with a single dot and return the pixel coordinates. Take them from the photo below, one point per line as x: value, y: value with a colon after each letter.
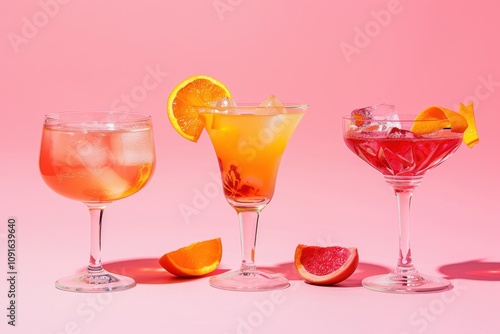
x: 98, y: 281
x: 397, y: 283
x: 238, y: 280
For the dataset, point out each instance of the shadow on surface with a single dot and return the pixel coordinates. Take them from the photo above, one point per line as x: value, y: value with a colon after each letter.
x: 472, y: 270
x: 364, y: 270
x: 286, y: 269
x: 149, y: 271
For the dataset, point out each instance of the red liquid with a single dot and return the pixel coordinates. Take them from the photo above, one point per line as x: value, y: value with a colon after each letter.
x: 403, y: 156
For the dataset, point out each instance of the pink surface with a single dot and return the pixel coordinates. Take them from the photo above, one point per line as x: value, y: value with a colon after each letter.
x: 73, y: 55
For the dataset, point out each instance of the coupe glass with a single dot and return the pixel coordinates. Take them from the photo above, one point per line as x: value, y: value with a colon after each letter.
x: 96, y: 158
x: 403, y: 158
x: 249, y: 142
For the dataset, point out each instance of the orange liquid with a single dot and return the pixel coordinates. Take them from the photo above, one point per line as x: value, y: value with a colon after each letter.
x: 96, y: 166
x: 249, y: 148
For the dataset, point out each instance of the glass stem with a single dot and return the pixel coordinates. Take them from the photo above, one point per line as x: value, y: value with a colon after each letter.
x: 96, y: 213
x: 403, y: 188
x: 249, y: 221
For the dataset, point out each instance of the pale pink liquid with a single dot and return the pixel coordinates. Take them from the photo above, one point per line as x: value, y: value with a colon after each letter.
x: 96, y: 166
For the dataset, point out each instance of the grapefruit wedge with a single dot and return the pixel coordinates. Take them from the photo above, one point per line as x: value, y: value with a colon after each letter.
x: 325, y: 265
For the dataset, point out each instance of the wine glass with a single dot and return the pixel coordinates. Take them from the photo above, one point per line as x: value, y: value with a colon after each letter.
x: 96, y: 157
x: 249, y: 142
x: 403, y: 158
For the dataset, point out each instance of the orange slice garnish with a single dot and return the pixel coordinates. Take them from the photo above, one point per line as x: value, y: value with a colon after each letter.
x: 471, y: 137
x: 198, y: 90
x: 199, y: 258
x: 437, y: 118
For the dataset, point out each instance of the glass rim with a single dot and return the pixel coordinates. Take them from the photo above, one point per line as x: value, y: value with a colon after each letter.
x: 406, y: 118
x: 56, y: 116
x: 249, y: 106
x: 252, y: 109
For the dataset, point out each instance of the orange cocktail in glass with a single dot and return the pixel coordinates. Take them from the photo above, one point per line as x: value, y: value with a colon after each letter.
x: 249, y: 142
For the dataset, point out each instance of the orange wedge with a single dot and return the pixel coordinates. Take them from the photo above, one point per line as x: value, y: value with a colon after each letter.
x: 197, y: 259
x: 198, y: 90
x: 471, y: 137
x: 441, y: 118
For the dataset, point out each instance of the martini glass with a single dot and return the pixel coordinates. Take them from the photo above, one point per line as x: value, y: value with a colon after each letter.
x: 96, y: 158
x: 403, y: 158
x: 249, y: 142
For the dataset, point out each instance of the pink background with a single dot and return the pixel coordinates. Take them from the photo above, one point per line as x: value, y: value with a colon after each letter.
x: 335, y: 56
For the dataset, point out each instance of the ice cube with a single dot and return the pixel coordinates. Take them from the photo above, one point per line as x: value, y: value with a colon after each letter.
x: 62, y: 147
x: 362, y: 115
x: 270, y: 106
x: 381, y: 111
x: 225, y: 102
x: 373, y: 118
x: 221, y: 106
x: 92, y: 153
x: 271, y: 101
x: 402, y: 134
x: 133, y: 147
x: 108, y: 184
x: 384, y: 111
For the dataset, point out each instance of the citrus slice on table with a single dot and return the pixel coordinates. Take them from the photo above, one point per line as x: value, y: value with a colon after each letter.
x: 198, y: 90
x: 325, y: 265
x: 471, y: 137
x: 197, y: 259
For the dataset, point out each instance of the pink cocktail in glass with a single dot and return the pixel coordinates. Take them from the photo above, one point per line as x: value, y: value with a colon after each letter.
x: 403, y: 157
x: 96, y: 158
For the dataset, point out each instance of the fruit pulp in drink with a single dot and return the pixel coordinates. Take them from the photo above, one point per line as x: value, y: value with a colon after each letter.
x: 249, y: 148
